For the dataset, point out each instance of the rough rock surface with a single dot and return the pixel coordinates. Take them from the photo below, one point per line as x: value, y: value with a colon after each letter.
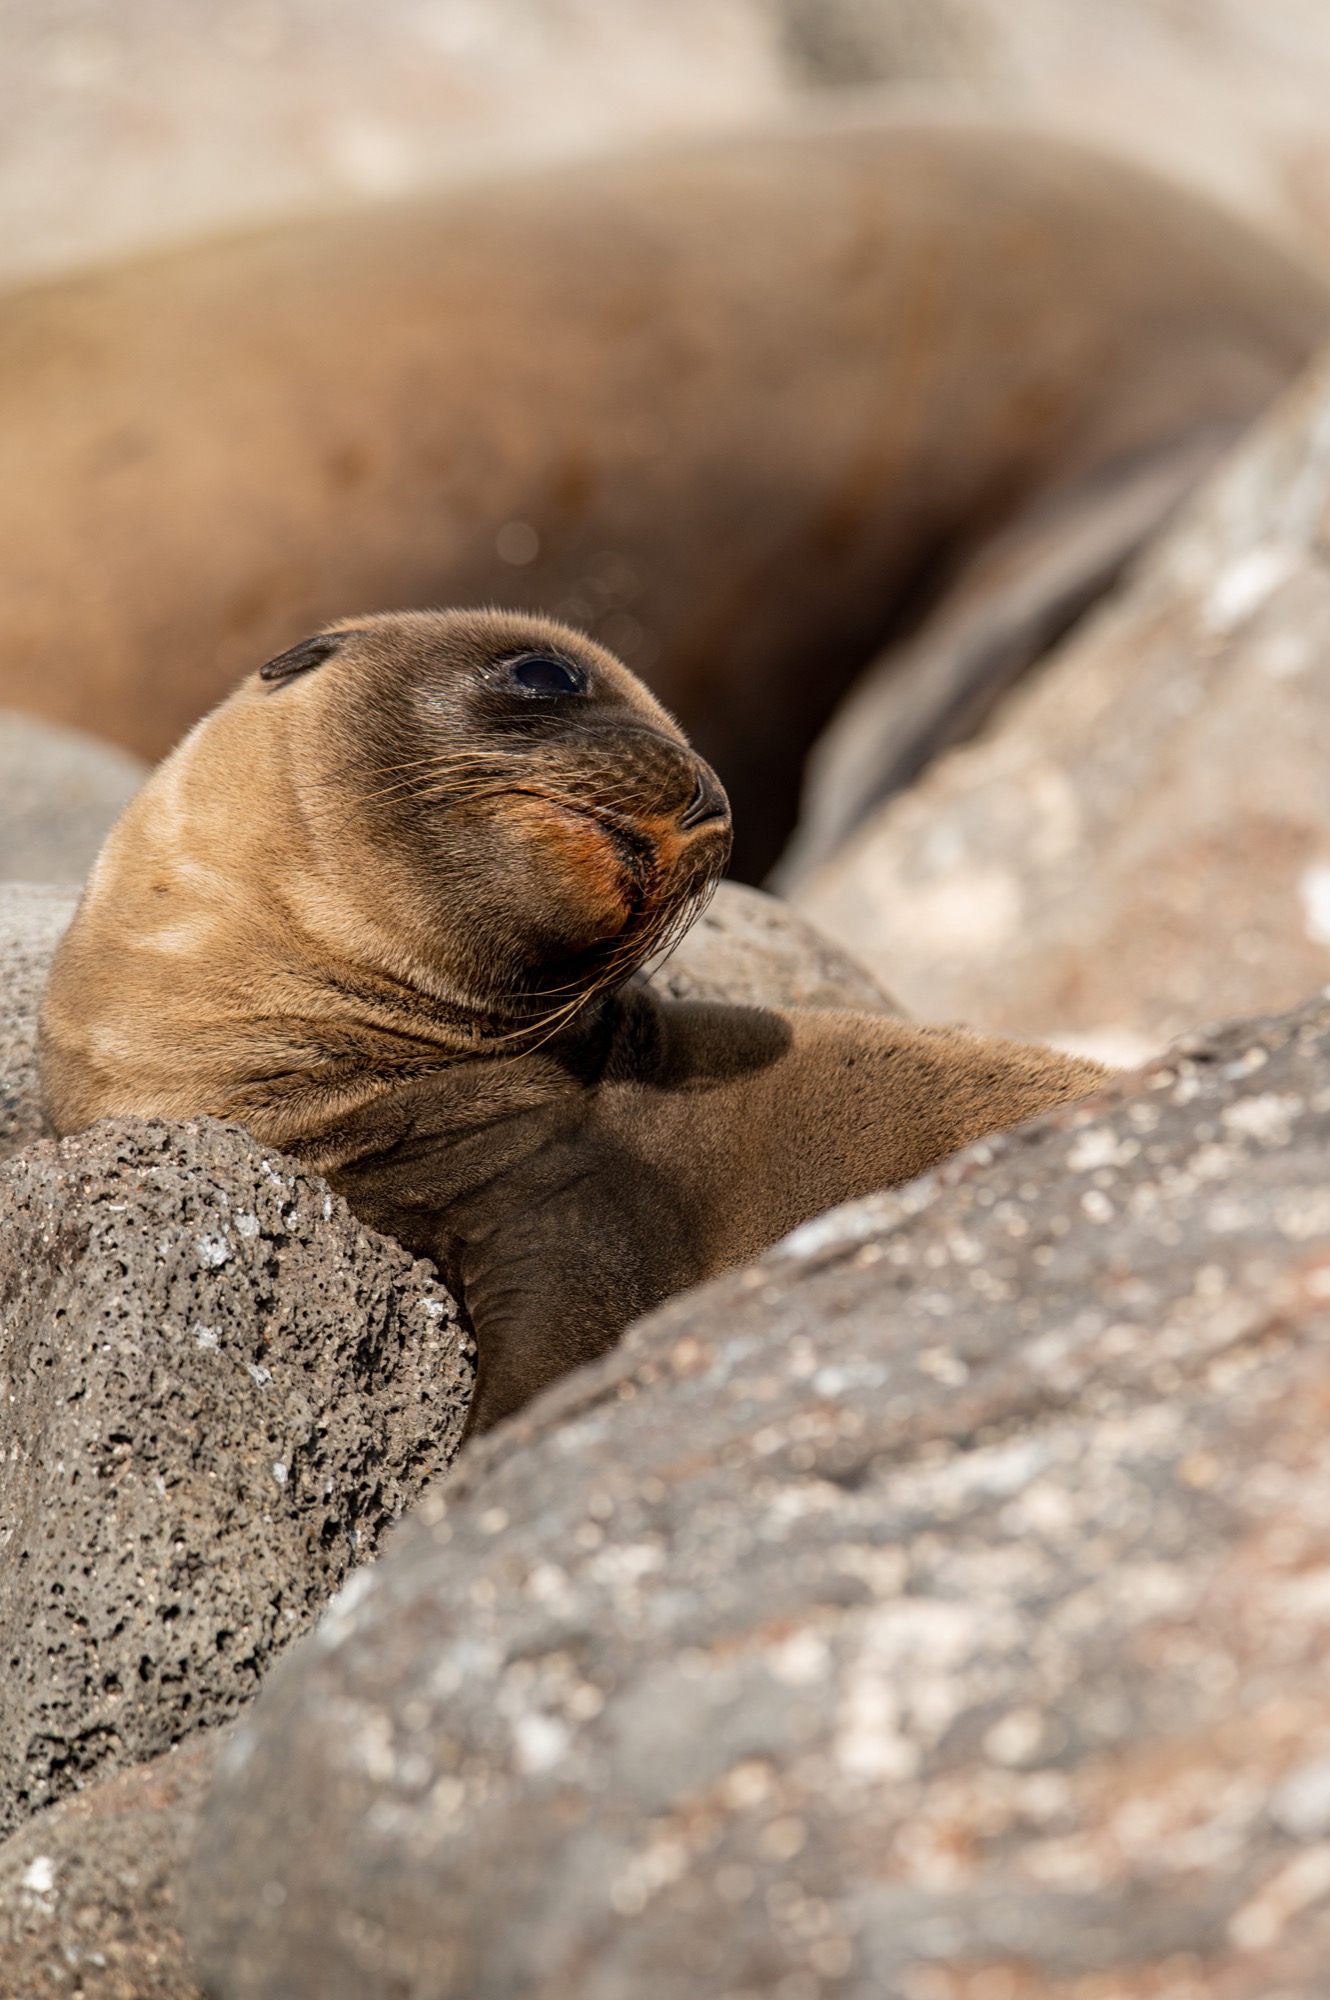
x: 936, y: 1611
x: 752, y: 950
x: 216, y: 1391
x: 747, y: 947
x: 60, y: 794
x: 32, y: 921
x: 1142, y: 840
x: 88, y: 1889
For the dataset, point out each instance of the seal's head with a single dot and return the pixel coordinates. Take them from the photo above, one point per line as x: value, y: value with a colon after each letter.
x: 411, y: 838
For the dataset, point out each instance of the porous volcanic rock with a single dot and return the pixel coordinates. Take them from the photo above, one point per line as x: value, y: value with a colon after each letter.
x: 88, y: 1888
x: 32, y: 921
x: 1141, y: 841
x: 216, y: 1391
x: 937, y: 1608
x: 60, y: 794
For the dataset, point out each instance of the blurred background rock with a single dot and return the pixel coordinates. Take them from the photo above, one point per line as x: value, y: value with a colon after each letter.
x: 1227, y: 95
x: 59, y: 792
x: 1140, y: 839
x: 129, y: 122
x: 133, y: 122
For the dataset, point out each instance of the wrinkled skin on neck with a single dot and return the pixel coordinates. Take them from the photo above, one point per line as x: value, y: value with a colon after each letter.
x: 383, y: 907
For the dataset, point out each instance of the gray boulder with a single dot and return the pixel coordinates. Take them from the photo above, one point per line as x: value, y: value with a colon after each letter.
x: 32, y: 920
x: 1141, y: 840
x: 754, y: 951
x: 88, y: 1889
x: 936, y: 1608
x: 60, y: 794
x: 216, y: 1391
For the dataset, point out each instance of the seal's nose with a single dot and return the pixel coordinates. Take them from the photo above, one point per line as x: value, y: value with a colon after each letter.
x: 707, y: 803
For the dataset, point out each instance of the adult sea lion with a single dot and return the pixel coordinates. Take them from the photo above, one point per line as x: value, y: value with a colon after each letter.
x: 742, y: 410
x: 381, y: 907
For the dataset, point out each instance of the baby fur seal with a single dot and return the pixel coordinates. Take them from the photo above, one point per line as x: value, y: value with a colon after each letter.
x: 383, y: 907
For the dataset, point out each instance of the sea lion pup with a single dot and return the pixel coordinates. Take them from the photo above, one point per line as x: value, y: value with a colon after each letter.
x: 383, y: 905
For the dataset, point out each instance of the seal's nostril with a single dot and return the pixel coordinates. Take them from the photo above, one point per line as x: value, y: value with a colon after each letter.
x: 708, y: 802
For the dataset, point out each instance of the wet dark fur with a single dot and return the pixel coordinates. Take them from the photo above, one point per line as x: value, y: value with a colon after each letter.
x: 384, y: 908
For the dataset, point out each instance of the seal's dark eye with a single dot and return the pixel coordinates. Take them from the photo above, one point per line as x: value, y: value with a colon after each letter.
x: 538, y: 673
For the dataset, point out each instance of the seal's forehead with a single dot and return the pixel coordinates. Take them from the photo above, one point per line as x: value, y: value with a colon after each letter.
x: 435, y: 648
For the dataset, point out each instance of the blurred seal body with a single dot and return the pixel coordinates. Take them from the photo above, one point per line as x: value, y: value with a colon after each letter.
x: 743, y: 410
x: 383, y: 907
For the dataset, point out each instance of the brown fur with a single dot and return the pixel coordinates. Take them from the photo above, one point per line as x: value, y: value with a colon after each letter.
x: 385, y: 911
x: 762, y: 398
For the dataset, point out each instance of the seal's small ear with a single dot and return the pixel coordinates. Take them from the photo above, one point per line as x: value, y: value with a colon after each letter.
x: 299, y: 659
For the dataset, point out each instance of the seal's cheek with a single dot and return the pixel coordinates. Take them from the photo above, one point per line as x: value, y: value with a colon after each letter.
x: 581, y: 884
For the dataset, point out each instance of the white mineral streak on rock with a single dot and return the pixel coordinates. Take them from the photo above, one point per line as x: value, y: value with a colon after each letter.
x: 1301, y: 1804
x: 1314, y: 889
x: 800, y: 1661
x: 902, y: 1685
x: 839, y: 1229
x: 39, y: 1875
x: 1239, y: 591
x: 539, y: 1742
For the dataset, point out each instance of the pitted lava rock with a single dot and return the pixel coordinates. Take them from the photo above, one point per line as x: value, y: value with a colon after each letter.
x: 216, y: 1391
x: 88, y: 1888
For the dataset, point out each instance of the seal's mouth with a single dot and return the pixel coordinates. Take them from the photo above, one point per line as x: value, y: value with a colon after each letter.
x: 643, y: 877
x: 652, y: 847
